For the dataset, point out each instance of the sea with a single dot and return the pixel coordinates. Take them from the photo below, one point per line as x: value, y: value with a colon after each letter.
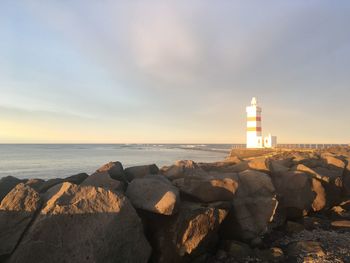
x: 46, y: 161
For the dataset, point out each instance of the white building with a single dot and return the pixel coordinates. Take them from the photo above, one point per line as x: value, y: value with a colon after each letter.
x: 270, y: 141
x: 254, y: 128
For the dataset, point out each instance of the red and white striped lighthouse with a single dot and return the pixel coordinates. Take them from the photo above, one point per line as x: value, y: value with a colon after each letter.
x: 254, y: 129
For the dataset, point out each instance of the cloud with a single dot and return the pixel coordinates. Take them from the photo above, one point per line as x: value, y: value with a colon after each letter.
x: 186, y: 65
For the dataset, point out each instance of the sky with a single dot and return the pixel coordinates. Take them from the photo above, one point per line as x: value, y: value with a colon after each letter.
x: 173, y: 71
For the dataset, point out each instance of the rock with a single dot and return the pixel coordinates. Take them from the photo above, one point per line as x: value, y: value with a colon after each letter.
x: 341, y: 224
x: 295, y: 193
x: 237, y: 250
x: 114, y: 169
x: 76, y: 179
x: 305, y: 249
x: 208, y: 189
x: 345, y: 205
x: 186, y: 235
x: 84, y: 224
x: 346, y: 180
x: 6, y: 185
x: 293, y: 227
x: 17, y: 210
x: 36, y: 184
x: 326, y: 184
x: 239, y: 167
x: 311, y: 223
x: 313, y: 162
x: 221, y: 255
x: 333, y: 186
x: 333, y: 162
x: 261, y: 164
x: 305, y: 169
x: 278, y: 167
x: 103, y: 179
x: 182, y: 169
x: 154, y: 194
x: 140, y: 171
x: 227, y: 166
x: 339, y: 212
x: 42, y: 187
x: 254, y: 206
x: 320, y: 201
x: 50, y: 183
x: 276, y: 252
x: 233, y: 160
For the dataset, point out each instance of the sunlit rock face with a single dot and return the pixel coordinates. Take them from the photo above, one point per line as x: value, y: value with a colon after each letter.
x: 211, y: 188
x: 7, y: 184
x: 254, y: 206
x: 186, y: 235
x: 295, y: 192
x: 154, y: 193
x: 140, y: 171
x: 17, y: 210
x: 84, y: 224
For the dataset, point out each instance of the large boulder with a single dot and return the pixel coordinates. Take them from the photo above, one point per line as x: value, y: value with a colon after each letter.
x: 154, y: 193
x: 77, y: 178
x: 84, y: 224
x: 346, y: 180
x: 6, y: 185
x: 261, y: 164
x: 140, y: 171
x: 333, y: 184
x: 35, y: 183
x: 17, y: 210
x: 114, y: 169
x: 254, y: 206
x: 227, y: 166
x: 277, y: 166
x: 333, y: 162
x: 104, y: 180
x: 319, y: 186
x: 182, y: 169
x: 49, y: 183
x: 208, y: 189
x: 295, y: 192
x: 189, y: 233
x: 42, y: 187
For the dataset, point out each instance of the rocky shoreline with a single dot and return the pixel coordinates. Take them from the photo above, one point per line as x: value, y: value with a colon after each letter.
x: 277, y: 206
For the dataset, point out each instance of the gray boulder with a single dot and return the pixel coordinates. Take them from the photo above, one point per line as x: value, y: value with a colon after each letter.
x: 154, y: 193
x: 254, y: 206
x: 208, y: 189
x: 189, y: 233
x: 6, y: 185
x: 76, y: 179
x: 261, y: 164
x: 104, y: 180
x: 35, y: 183
x: 182, y: 169
x: 295, y: 192
x: 84, y: 224
x: 346, y: 180
x: 140, y: 171
x: 17, y: 210
x: 114, y: 169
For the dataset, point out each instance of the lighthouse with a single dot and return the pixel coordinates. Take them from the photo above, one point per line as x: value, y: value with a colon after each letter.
x: 254, y: 128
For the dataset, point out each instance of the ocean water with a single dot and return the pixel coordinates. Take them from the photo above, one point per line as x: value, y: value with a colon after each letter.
x: 60, y: 160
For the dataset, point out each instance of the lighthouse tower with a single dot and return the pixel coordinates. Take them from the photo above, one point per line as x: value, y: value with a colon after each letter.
x: 254, y: 131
